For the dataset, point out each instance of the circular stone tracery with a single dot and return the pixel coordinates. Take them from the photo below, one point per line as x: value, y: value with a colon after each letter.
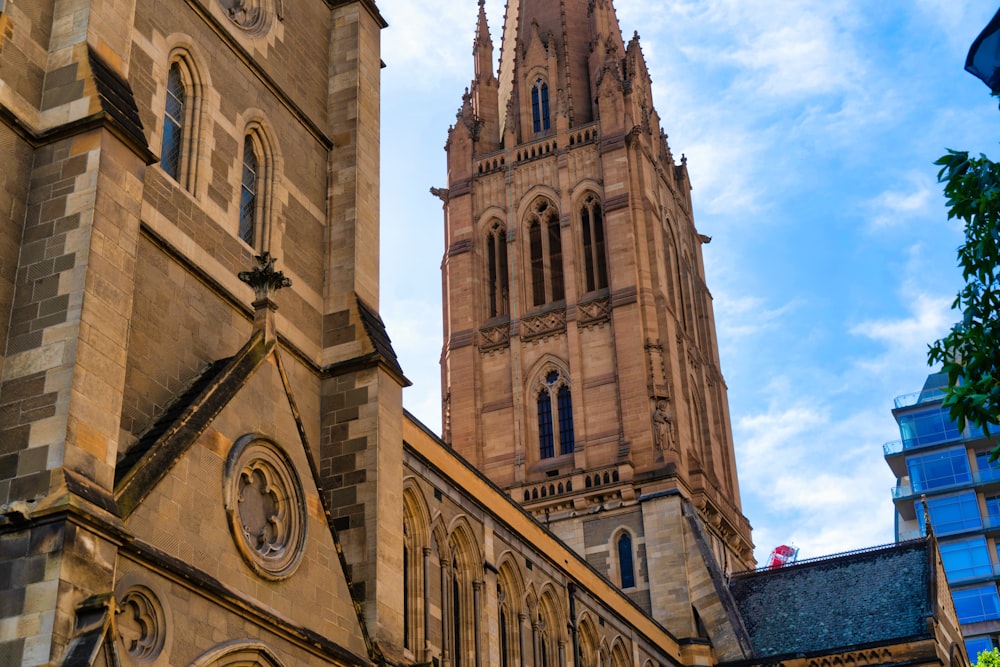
x: 265, y: 508
x: 140, y: 624
x: 252, y: 16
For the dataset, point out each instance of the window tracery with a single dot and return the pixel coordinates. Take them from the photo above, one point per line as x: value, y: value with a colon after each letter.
x: 545, y: 249
x: 554, y: 403
x: 497, y: 277
x: 592, y: 235
x: 540, y: 106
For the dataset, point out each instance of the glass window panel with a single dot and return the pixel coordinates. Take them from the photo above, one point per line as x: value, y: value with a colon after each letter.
x: 927, y: 427
x: 965, y: 559
x: 951, y: 514
x: 625, y: 563
x: 248, y: 192
x: 939, y: 469
x: 976, y: 604
x: 173, y: 123
x: 565, y: 404
x: 545, y: 443
x: 988, y: 470
x: 976, y: 645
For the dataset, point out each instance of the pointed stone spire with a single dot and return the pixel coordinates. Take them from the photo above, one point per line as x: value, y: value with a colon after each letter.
x: 483, y: 46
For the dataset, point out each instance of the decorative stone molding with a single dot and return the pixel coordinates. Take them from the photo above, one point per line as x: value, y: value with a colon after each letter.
x: 542, y: 325
x: 494, y: 338
x: 140, y: 624
x: 253, y: 16
x: 593, y: 313
x: 265, y: 507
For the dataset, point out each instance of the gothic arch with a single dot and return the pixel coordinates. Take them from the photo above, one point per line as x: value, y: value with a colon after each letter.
x: 551, y: 627
x: 589, y: 232
x: 590, y: 652
x: 700, y: 432
x: 620, y: 656
x: 549, y: 395
x: 183, y: 107
x: 542, y: 249
x: 416, y: 539
x: 671, y: 273
x: 494, y: 237
x: 623, y: 548
x: 510, y: 611
x: 259, y: 167
x: 464, y: 574
x: 238, y: 653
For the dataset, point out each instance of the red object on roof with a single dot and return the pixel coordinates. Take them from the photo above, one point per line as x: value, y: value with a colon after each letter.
x: 782, y: 555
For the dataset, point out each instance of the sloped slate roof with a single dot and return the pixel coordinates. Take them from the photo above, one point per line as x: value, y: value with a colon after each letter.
x: 841, y: 602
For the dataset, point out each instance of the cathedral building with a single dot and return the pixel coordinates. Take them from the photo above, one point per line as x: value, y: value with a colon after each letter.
x: 204, y: 459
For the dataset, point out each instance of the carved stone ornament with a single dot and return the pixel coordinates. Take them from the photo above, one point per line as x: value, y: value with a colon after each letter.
x: 253, y: 16
x: 494, y: 338
x: 265, y: 507
x: 592, y: 313
x: 140, y: 624
x: 545, y: 324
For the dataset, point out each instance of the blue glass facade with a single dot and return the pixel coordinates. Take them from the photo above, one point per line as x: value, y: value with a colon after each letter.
x: 936, y: 461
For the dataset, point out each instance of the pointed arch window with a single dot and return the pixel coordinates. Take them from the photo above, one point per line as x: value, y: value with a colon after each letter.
x: 456, y: 615
x: 554, y: 395
x: 249, y: 213
x: 173, y: 123
x: 180, y: 122
x: 545, y: 248
x: 497, y: 276
x: 626, y: 563
x: 540, y: 106
x: 594, y: 258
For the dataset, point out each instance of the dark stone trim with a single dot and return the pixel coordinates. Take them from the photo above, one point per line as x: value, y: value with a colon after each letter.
x: 117, y: 99
x: 612, y: 142
x: 379, y: 338
x: 624, y: 296
x: 460, y: 247
x: 462, y: 338
x: 150, y: 459
x: 93, y: 632
x: 463, y: 187
x: 98, y: 121
x: 616, y: 203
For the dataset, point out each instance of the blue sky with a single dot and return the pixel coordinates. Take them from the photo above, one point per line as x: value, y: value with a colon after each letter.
x: 810, y: 128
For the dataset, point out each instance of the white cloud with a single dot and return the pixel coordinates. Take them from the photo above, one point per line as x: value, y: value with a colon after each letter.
x: 898, y: 206
x: 427, y: 41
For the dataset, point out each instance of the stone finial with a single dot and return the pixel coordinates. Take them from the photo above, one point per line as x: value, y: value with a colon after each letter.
x: 263, y: 278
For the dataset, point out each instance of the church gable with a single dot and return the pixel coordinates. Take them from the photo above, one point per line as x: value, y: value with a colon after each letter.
x: 247, y: 527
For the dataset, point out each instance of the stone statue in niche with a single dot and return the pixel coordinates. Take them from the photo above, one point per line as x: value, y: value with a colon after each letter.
x: 663, y: 426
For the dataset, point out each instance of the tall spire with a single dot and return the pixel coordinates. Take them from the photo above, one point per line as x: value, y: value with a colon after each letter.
x: 570, y: 31
x: 483, y: 46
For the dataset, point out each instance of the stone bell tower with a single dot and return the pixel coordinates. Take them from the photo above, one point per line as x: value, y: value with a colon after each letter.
x: 580, y: 368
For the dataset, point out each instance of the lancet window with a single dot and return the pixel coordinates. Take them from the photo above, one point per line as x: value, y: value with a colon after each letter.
x: 497, y: 277
x: 626, y: 560
x: 545, y: 241
x: 249, y: 209
x: 180, y: 122
x: 555, y: 415
x: 592, y: 232
x: 540, y: 106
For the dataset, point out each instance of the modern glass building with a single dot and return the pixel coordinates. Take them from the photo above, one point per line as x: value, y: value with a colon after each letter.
x: 947, y: 472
